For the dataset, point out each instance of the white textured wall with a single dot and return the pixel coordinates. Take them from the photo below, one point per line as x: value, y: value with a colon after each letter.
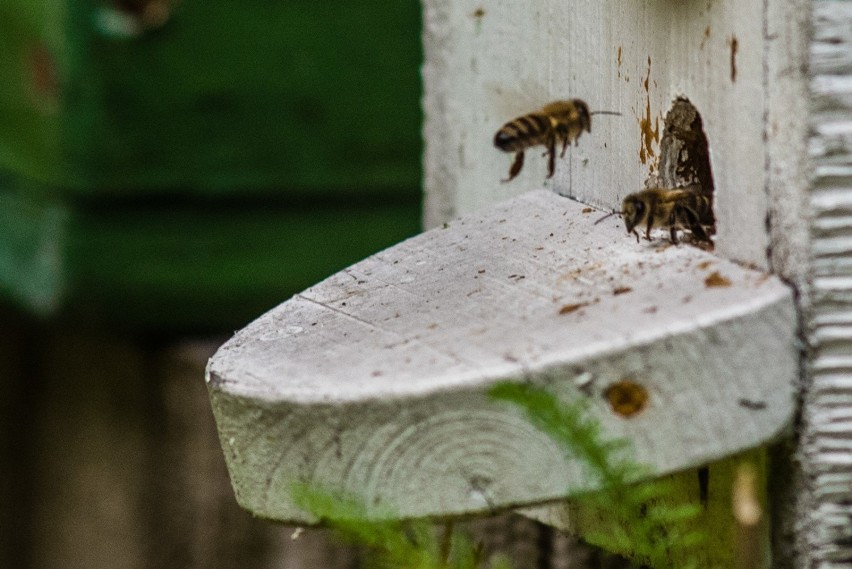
x: 825, y: 509
x: 489, y: 60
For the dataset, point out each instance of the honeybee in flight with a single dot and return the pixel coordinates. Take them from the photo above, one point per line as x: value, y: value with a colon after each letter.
x: 678, y: 208
x: 559, y: 121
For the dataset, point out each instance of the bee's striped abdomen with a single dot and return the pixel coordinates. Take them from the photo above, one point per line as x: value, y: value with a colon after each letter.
x: 523, y: 132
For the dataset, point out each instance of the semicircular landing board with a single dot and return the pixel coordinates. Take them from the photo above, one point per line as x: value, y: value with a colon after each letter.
x: 375, y: 381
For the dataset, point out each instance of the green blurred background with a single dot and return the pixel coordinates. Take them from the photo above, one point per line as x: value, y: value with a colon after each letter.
x: 182, y: 166
x: 169, y: 170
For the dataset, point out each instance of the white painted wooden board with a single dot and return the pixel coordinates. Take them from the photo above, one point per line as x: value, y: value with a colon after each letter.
x: 374, y: 381
x: 488, y: 61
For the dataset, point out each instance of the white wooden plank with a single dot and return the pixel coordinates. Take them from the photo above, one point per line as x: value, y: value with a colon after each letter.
x: 374, y: 381
x: 487, y: 62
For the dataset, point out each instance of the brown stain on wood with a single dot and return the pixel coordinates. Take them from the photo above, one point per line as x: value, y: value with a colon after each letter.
x: 705, y: 38
x: 618, y: 60
x: 715, y: 279
x: 649, y: 134
x: 734, y: 45
x: 569, y: 308
x: 626, y: 398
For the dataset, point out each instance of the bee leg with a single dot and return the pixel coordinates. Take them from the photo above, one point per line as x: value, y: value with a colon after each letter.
x: 692, y: 219
x: 564, y: 147
x: 673, y: 234
x: 699, y: 233
x: 516, y: 166
x: 636, y: 234
x: 648, y: 228
x: 551, y: 160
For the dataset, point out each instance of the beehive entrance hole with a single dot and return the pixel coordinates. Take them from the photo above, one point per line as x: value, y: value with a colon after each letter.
x: 684, y: 156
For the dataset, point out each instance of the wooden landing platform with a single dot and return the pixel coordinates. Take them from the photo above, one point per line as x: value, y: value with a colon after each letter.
x: 375, y: 380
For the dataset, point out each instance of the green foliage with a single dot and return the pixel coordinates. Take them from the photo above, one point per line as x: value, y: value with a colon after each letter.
x: 637, y: 517
x: 392, y: 543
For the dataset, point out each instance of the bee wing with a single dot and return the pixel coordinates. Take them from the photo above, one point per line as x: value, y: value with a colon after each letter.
x: 507, y: 102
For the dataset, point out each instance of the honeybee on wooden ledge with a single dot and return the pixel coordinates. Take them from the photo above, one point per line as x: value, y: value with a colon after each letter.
x: 677, y: 208
x: 559, y: 121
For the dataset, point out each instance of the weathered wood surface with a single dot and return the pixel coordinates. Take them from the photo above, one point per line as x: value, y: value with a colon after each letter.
x: 374, y: 381
x: 825, y: 452
x: 486, y: 63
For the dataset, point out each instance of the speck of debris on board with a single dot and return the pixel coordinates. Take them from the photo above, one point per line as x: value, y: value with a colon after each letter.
x: 569, y: 308
x: 715, y: 279
x: 704, y: 264
x: 753, y: 405
x: 621, y: 290
x: 587, y: 210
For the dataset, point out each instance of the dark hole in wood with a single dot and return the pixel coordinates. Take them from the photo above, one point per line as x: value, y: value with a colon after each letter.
x: 684, y: 155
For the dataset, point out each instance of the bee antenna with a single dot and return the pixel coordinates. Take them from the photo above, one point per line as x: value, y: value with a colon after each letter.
x: 605, y: 113
x: 610, y: 214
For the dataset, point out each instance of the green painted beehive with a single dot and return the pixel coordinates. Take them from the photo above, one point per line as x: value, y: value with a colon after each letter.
x: 189, y: 163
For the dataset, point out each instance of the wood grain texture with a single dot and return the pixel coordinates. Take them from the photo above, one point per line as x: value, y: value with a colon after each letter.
x: 825, y: 454
x: 374, y: 381
x: 489, y: 62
